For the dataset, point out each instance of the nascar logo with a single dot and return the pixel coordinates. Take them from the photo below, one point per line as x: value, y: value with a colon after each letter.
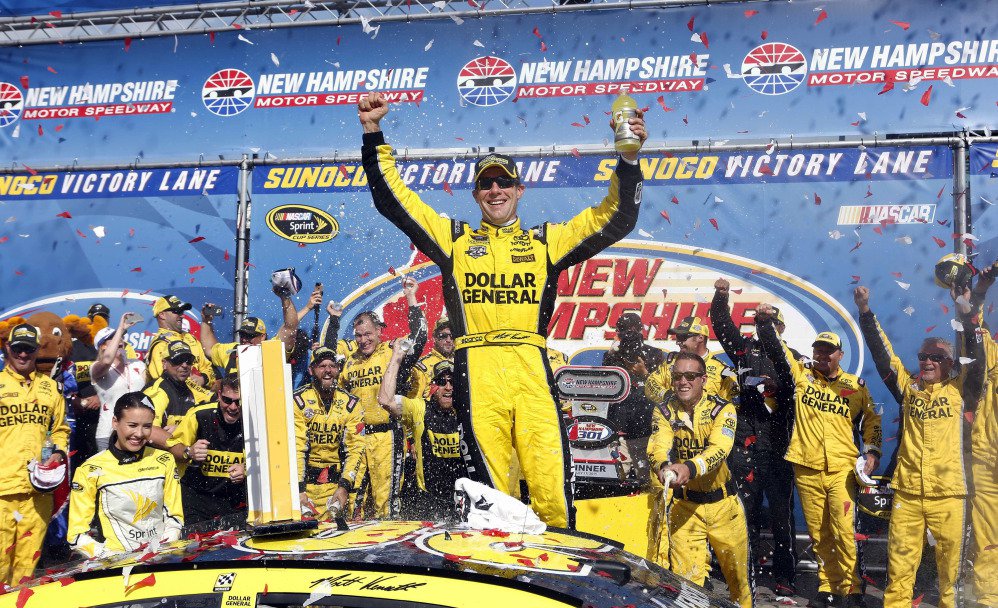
x: 894, y: 214
x: 774, y: 68
x: 228, y: 92
x: 11, y: 103
x: 486, y: 81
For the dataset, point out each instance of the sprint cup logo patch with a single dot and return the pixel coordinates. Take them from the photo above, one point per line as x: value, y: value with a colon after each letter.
x: 11, y: 103
x: 486, y: 81
x: 302, y: 224
x: 228, y: 92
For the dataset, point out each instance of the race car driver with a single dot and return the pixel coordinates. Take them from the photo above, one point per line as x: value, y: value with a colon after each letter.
x: 224, y: 355
x: 132, y: 489
x: 756, y: 461
x: 692, y: 336
x: 384, y: 441
x: 830, y: 403
x: 499, y: 289
x: 329, y: 421
x: 436, y: 434
x: 930, y: 488
x: 31, y: 409
x: 984, y: 460
x: 443, y: 350
x: 693, y: 432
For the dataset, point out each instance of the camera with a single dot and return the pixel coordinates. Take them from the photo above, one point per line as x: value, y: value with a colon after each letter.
x: 214, y: 310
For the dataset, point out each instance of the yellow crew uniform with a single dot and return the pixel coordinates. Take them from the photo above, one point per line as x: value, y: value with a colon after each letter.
x: 172, y: 402
x: 136, y: 498
x: 721, y: 379
x: 984, y: 469
x: 824, y: 453
x: 30, y: 407
x: 707, y: 509
x: 330, y: 443
x: 422, y: 373
x: 158, y: 351
x: 930, y: 486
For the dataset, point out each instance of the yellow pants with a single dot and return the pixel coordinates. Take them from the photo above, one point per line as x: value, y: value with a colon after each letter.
x: 384, y: 455
x: 319, y: 494
x: 910, y: 516
x: 984, y: 514
x: 23, y: 521
x: 722, y: 524
x: 829, y: 504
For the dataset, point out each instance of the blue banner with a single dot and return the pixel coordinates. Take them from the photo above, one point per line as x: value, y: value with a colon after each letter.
x: 983, y: 204
x: 705, y: 73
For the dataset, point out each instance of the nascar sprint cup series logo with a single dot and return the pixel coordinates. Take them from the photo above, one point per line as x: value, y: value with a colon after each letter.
x: 228, y: 92
x: 302, y: 224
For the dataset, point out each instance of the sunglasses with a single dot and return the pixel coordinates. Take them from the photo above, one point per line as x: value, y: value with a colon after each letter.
x: 934, y: 357
x: 688, y: 376
x: 444, y: 381
x: 444, y: 336
x: 23, y: 349
x: 229, y: 400
x: 504, y: 181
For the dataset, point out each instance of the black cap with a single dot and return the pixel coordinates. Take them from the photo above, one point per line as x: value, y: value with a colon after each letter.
x: 25, y: 334
x: 99, y: 310
x: 178, y: 349
x: 443, y: 368
x: 629, y: 320
x: 252, y: 326
x: 502, y: 161
x: 324, y: 353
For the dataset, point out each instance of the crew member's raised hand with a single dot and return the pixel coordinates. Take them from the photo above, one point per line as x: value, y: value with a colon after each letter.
x: 861, y: 296
x: 370, y: 110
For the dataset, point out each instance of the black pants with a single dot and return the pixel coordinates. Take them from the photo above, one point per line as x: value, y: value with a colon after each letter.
x: 766, y: 474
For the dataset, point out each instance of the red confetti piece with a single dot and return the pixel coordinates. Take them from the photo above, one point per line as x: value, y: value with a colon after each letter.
x: 764, y: 34
x: 686, y: 119
x: 4, y: 239
x: 23, y: 595
x: 878, y: 230
x: 661, y: 102
x: 343, y: 170
x: 136, y: 269
x: 495, y: 533
x: 40, y: 130
x: 526, y: 562
x: 704, y: 40
x: 666, y: 216
x: 990, y: 547
x: 148, y: 581
x: 80, y: 232
x: 821, y: 17
x: 675, y: 199
x: 939, y: 241
x: 226, y: 255
x: 128, y: 44
x: 237, y: 26
x: 196, y: 239
x: 391, y: 270
x: 869, y: 192
x: 447, y: 188
x: 901, y: 24
x: 817, y: 199
x: 945, y: 308
x: 211, y: 37
x: 544, y: 46
x: 929, y: 328
x: 577, y: 124
x: 765, y: 170
x: 713, y: 223
x: 537, y: 32
x: 888, y: 86
x: 969, y: 416
x: 750, y: 440
x: 575, y: 153
x: 585, y: 118
x: 65, y: 214
x: 365, y: 275
x: 25, y: 81
x: 860, y: 536
x: 918, y: 600
x: 19, y: 273
x: 59, y: 128
x: 846, y: 506
x: 926, y: 96
x: 751, y: 476
x: 56, y: 14
x: 455, y: 558
x: 689, y: 24
x: 194, y: 269
x: 29, y: 169
x: 856, y: 246
x: 67, y: 580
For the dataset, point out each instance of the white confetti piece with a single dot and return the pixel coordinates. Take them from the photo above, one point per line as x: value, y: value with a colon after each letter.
x: 456, y: 19
x: 194, y: 114
x: 956, y: 325
x: 308, y: 4
x: 934, y: 35
x: 966, y: 235
x: 126, y: 572
x: 244, y: 39
x: 718, y: 199
x: 644, y: 233
x: 324, y: 590
x: 903, y: 285
x: 478, y: 44
x: 365, y: 24
x: 862, y: 115
x: 17, y: 516
x: 10, y: 219
x: 904, y: 240
x: 835, y: 235
x: 909, y: 310
x: 273, y: 57
x: 966, y: 360
x: 429, y: 45
x: 948, y: 81
x: 695, y: 37
x: 439, y: 5
x: 17, y: 131
x: 98, y: 231
x: 986, y: 201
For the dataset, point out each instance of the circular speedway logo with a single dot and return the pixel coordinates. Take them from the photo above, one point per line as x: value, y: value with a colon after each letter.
x: 11, y: 103
x: 774, y: 68
x: 228, y: 92
x: 486, y: 81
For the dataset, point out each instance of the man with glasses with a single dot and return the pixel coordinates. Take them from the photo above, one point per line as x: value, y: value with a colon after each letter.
x: 443, y: 350
x: 32, y: 410
x: 169, y: 312
x: 499, y: 284
x: 929, y: 481
x: 436, y: 433
x: 171, y: 394
x: 330, y: 424
x: 692, y: 435
x: 209, y: 440
x: 830, y: 404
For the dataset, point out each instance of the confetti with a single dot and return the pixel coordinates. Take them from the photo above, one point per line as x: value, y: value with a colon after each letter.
x: 929, y: 329
x: 817, y: 199
x: 939, y: 241
x: 661, y: 102
x: 903, y: 285
x: 704, y: 40
x: 926, y: 96
x: 23, y: 595
x: 65, y: 214
x: 273, y: 57
x: 689, y: 24
x: 644, y: 233
x: 128, y: 44
x: 751, y: 13
x: 901, y: 24
x: 148, y: 581
x: 196, y: 239
x: 909, y: 310
x: 918, y: 600
x: 764, y: 34
x: 429, y: 45
x: 821, y: 17
x: 575, y: 153
x: 713, y: 222
x: 846, y: 505
x: 194, y: 269
x: 136, y: 269
x: 242, y: 38
x: 665, y: 215
x: 861, y: 536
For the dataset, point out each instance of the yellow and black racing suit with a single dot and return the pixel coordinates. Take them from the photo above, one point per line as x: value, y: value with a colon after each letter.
x: 707, y: 509
x: 30, y: 407
x: 499, y: 285
x: 157, y: 351
x: 984, y: 463
x: 330, y: 443
x: 422, y: 373
x: 173, y: 400
x: 384, y: 439
x: 823, y: 451
x: 330, y: 331
x: 930, y: 480
x: 206, y: 488
x: 135, y: 496
x: 439, y: 463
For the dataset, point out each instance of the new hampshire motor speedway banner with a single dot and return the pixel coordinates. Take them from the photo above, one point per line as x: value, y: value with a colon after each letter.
x: 983, y: 203
x: 800, y: 229
x: 122, y: 238
x: 731, y: 71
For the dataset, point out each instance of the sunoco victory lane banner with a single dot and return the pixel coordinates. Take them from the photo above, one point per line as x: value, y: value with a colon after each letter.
x: 123, y: 238
x: 798, y: 229
x: 733, y: 71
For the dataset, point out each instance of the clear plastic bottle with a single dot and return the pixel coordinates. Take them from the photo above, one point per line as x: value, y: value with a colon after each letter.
x: 47, y: 448
x: 624, y: 107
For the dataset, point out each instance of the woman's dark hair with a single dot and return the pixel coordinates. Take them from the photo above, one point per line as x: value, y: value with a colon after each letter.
x: 130, y: 401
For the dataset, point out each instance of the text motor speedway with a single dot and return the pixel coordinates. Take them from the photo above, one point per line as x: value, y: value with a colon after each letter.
x: 98, y: 100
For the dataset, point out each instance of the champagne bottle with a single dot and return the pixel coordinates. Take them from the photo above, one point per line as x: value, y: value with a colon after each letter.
x: 624, y: 139
x: 47, y: 448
